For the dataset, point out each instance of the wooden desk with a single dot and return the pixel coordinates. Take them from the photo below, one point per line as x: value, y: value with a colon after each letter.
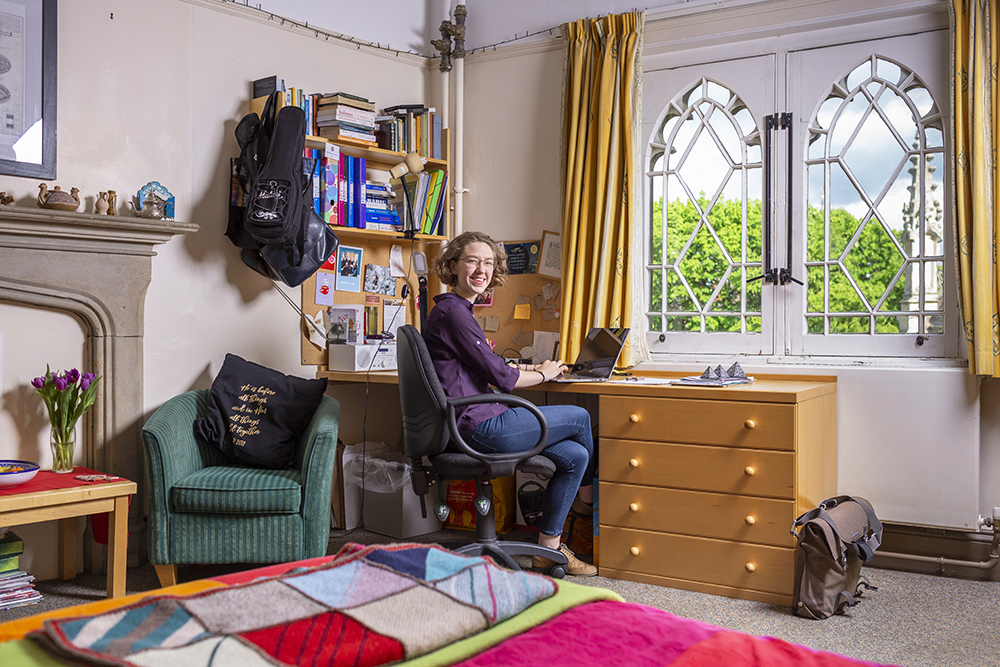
x: 65, y: 505
x: 699, y: 486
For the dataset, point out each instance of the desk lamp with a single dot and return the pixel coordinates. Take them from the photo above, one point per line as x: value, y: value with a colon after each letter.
x: 419, y: 260
x: 411, y: 164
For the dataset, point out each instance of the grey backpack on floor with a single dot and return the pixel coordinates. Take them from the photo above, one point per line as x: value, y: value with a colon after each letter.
x: 834, y: 540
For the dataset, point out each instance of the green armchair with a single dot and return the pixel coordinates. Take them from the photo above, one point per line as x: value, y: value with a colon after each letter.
x: 205, y: 509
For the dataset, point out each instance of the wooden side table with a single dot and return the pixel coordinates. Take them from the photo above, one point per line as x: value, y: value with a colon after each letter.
x: 63, y: 498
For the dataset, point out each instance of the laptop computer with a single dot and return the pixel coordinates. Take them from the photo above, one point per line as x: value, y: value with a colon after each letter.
x: 598, y: 356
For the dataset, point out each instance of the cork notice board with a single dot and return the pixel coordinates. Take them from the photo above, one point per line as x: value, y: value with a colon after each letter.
x: 528, y: 287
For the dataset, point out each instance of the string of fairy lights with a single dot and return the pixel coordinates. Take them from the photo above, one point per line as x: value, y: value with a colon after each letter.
x: 327, y: 35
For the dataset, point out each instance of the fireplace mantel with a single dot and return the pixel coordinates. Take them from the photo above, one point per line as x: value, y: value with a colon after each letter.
x: 96, y: 267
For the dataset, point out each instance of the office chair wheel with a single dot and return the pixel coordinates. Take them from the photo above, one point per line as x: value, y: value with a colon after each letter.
x: 557, y: 571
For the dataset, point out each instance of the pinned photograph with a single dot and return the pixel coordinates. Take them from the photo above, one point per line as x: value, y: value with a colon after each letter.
x: 550, y: 257
x: 379, y: 279
x: 349, y: 269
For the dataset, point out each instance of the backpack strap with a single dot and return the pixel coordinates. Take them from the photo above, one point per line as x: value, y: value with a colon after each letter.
x: 863, y: 548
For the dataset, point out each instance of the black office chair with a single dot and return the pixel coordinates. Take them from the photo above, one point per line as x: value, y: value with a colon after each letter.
x: 437, y: 451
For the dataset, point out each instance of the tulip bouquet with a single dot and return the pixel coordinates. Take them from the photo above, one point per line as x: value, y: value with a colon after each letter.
x: 67, y: 395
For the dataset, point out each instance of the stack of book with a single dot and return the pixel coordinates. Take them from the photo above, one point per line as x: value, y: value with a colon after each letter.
x: 379, y: 211
x: 410, y: 127
x: 16, y: 589
x: 345, y: 117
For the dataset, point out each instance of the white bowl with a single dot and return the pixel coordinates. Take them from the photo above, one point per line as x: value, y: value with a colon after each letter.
x: 13, y: 478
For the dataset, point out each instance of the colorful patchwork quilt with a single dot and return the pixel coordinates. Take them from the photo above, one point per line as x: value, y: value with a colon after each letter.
x: 410, y: 605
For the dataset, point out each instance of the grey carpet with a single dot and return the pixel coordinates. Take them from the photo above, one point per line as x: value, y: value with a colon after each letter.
x: 912, y: 619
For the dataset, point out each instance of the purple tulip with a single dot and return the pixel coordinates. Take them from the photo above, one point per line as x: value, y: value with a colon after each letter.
x: 72, y: 375
x: 38, y: 383
x: 60, y: 383
x: 89, y: 377
x: 85, y: 383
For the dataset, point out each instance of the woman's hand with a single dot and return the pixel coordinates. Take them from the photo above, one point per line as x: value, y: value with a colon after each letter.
x: 539, y: 373
x: 550, y: 369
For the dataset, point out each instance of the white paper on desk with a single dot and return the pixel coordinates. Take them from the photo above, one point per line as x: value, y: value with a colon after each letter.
x: 545, y: 345
x: 396, y: 268
x: 637, y: 379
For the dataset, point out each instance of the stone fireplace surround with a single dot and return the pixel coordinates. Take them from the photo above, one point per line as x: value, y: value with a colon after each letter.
x: 97, y: 268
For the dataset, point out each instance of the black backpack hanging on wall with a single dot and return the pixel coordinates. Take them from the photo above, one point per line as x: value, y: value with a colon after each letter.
x: 279, y: 231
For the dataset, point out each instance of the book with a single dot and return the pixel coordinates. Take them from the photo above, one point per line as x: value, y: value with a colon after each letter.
x: 342, y: 192
x: 349, y: 208
x: 357, y: 131
x: 404, y: 108
x: 346, y: 113
x: 349, y: 100
x: 437, y: 227
x: 267, y: 85
x: 359, y: 192
x: 11, y: 544
x: 436, y: 150
x: 407, y: 201
x: 432, y: 201
x: 334, y: 133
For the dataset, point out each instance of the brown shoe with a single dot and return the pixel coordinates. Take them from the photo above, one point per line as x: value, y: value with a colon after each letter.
x: 575, y: 567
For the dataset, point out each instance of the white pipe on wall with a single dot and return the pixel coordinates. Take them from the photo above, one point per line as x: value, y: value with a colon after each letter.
x: 458, y: 165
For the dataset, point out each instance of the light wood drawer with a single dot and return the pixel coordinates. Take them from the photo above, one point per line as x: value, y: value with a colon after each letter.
x: 749, y: 472
x: 745, y: 566
x: 729, y: 423
x: 726, y: 517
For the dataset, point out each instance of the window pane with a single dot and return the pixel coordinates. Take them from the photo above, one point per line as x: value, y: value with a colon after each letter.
x: 884, y: 197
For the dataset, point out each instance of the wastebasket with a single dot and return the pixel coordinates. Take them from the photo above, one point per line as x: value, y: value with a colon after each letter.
x: 390, y: 505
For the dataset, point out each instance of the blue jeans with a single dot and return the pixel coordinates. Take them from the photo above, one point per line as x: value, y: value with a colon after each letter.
x: 570, y: 448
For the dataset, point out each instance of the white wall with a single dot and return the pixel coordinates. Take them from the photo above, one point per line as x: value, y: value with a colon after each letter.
x: 154, y: 93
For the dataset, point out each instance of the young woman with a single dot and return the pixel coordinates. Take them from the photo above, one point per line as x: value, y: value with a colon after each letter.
x: 466, y: 366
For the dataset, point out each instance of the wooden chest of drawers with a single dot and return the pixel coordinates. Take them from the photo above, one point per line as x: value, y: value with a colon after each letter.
x: 699, y: 486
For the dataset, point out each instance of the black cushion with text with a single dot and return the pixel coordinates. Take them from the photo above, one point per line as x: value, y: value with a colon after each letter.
x: 256, y: 415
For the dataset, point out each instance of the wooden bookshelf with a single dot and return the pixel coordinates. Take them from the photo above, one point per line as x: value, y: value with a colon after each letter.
x: 375, y: 244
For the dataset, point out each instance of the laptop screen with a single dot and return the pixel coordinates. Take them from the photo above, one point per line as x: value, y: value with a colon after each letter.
x: 599, y: 352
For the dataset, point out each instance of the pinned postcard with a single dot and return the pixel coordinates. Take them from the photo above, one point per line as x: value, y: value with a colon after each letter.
x: 324, y: 288
x: 396, y: 262
x: 550, y: 291
x: 492, y: 323
x: 549, y: 314
x: 522, y: 311
x: 521, y: 338
x: 545, y: 344
x: 538, y: 301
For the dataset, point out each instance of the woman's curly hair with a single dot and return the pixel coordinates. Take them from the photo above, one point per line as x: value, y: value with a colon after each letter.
x: 454, y: 250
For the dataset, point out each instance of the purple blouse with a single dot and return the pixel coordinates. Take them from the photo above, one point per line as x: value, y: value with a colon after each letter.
x: 464, y: 362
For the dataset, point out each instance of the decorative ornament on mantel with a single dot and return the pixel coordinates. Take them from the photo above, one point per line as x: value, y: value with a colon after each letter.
x: 57, y: 199
x: 67, y: 396
x: 6, y: 199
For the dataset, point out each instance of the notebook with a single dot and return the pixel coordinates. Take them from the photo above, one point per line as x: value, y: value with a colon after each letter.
x: 598, y: 356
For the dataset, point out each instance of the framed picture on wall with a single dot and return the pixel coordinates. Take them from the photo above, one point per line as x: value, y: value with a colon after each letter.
x: 349, y: 268
x: 550, y: 256
x: 28, y: 88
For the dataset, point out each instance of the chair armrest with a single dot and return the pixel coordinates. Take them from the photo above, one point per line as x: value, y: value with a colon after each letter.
x: 316, y: 457
x: 171, y: 454
x: 506, y: 399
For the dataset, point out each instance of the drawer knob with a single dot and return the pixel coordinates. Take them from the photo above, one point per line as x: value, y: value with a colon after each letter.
x: 633, y: 463
x: 749, y: 471
x: 634, y: 507
x: 634, y: 551
x: 750, y: 567
x: 749, y: 424
x: 750, y: 520
x: 633, y: 418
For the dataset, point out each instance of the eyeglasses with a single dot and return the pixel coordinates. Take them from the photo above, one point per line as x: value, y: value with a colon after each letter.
x: 475, y: 263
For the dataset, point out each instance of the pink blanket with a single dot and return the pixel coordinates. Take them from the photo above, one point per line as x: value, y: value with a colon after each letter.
x: 607, y: 632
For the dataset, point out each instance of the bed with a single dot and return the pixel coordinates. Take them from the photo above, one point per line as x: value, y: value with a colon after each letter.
x: 403, y: 604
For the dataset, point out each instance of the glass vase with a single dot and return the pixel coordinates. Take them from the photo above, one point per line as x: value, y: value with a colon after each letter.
x: 63, y: 443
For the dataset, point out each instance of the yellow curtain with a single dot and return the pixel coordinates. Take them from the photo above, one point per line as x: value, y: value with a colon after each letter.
x: 974, y: 44
x: 601, y: 239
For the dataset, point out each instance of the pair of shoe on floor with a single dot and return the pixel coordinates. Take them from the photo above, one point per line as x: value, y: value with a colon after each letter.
x: 575, y: 567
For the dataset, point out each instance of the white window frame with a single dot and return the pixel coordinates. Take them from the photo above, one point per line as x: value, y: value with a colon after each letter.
x: 705, y: 32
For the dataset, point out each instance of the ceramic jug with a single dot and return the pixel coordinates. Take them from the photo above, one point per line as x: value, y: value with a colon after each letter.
x: 101, y: 205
